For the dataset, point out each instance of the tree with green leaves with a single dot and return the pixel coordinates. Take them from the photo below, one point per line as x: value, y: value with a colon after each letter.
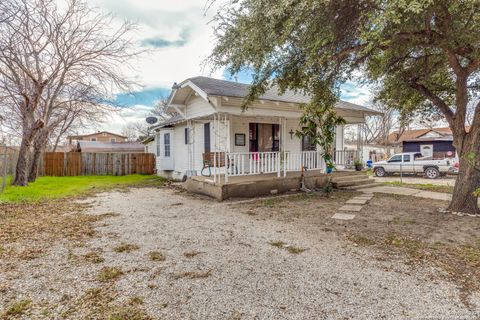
x: 421, y: 56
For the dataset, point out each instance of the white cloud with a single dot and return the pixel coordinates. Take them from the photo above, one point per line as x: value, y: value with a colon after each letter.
x: 171, y: 21
x: 182, y: 22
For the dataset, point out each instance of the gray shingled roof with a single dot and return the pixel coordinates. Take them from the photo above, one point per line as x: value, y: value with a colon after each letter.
x: 217, y: 87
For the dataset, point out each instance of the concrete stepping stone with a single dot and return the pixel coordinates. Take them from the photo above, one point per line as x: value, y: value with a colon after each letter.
x: 357, y: 201
x: 343, y: 216
x: 351, y: 207
x: 363, y: 197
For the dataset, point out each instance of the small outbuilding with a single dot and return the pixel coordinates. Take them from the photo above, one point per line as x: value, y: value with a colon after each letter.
x: 435, y: 142
x: 109, y: 147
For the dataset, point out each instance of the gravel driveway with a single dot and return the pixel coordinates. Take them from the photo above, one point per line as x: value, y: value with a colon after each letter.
x: 242, y: 276
x: 221, y: 263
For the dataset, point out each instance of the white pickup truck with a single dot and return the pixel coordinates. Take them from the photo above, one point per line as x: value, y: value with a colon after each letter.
x: 412, y: 163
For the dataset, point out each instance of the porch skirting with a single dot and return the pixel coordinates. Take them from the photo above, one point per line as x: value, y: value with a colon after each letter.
x: 255, y: 186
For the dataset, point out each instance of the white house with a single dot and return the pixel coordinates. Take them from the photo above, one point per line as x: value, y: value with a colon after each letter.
x: 211, y: 135
x: 149, y: 145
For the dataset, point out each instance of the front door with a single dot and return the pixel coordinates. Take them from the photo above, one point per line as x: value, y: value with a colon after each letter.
x: 264, y: 137
x: 206, y: 137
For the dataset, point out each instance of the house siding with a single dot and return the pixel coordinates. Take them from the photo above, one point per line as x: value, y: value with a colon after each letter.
x: 440, y: 148
x: 292, y: 143
x: 198, y: 107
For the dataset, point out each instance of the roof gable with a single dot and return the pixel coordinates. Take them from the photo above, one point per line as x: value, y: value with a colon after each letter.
x: 97, y: 133
x: 205, y: 87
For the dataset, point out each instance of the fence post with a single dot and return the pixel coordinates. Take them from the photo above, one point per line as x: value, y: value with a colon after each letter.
x: 4, y: 179
x: 65, y: 163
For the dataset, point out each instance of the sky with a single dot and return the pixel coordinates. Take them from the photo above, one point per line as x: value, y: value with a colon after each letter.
x: 178, y: 37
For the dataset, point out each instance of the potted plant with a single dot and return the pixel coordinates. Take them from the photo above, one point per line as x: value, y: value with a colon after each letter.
x: 330, y: 167
x: 358, y: 164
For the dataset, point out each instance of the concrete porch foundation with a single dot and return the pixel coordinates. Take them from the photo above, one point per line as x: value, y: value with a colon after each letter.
x: 256, y: 185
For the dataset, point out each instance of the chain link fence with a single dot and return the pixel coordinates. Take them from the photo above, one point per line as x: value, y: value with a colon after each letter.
x: 8, y: 159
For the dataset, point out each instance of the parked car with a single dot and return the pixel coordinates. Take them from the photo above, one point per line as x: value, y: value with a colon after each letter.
x: 413, y: 163
x: 455, y: 167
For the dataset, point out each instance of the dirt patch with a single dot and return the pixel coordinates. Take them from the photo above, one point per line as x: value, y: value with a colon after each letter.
x: 28, y: 229
x: 395, y: 227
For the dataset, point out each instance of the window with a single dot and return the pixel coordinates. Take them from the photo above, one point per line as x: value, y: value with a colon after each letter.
x: 396, y: 159
x: 113, y: 140
x: 406, y: 158
x: 187, y: 138
x: 94, y: 139
x: 307, y: 143
x: 166, y: 142
x: 157, y: 141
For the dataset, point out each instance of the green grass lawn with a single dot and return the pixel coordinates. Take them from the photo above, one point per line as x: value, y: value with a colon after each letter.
x: 60, y: 187
x: 421, y: 186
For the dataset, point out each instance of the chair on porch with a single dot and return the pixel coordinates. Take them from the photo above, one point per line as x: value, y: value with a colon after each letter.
x: 216, y: 159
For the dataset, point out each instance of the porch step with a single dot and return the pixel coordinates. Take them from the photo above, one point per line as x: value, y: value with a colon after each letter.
x: 370, y: 184
x: 352, y: 180
x: 349, y: 177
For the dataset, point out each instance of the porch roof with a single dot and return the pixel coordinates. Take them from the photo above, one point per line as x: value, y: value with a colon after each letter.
x: 224, y: 88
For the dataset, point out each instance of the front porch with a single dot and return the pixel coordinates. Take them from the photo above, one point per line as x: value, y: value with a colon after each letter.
x: 237, y: 146
x: 250, y: 186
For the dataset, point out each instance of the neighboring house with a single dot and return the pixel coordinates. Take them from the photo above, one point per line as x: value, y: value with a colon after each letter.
x: 435, y: 142
x: 210, y: 128
x: 105, y: 147
x: 149, y: 144
x: 101, y: 136
x: 372, y: 152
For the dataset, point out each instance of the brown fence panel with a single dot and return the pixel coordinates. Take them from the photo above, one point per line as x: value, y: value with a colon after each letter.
x: 54, y: 164
x: 74, y: 164
x: 86, y: 163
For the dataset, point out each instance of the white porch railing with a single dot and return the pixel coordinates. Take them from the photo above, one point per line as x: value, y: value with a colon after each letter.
x: 247, y: 163
x: 345, y: 157
x: 251, y: 163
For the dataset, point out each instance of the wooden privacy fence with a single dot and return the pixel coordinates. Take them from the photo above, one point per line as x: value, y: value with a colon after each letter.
x: 86, y: 163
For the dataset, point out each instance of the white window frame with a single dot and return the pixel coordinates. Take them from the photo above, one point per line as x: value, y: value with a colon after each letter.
x: 167, y: 146
x: 157, y: 143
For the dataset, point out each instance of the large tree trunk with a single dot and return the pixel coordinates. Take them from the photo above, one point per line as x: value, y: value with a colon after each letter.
x: 38, y: 148
x: 468, y: 179
x: 21, y: 178
x: 22, y: 168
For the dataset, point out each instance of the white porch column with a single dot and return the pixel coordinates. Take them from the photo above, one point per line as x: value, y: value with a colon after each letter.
x: 339, y: 137
x: 214, y: 148
x: 226, y: 147
x: 360, y: 140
